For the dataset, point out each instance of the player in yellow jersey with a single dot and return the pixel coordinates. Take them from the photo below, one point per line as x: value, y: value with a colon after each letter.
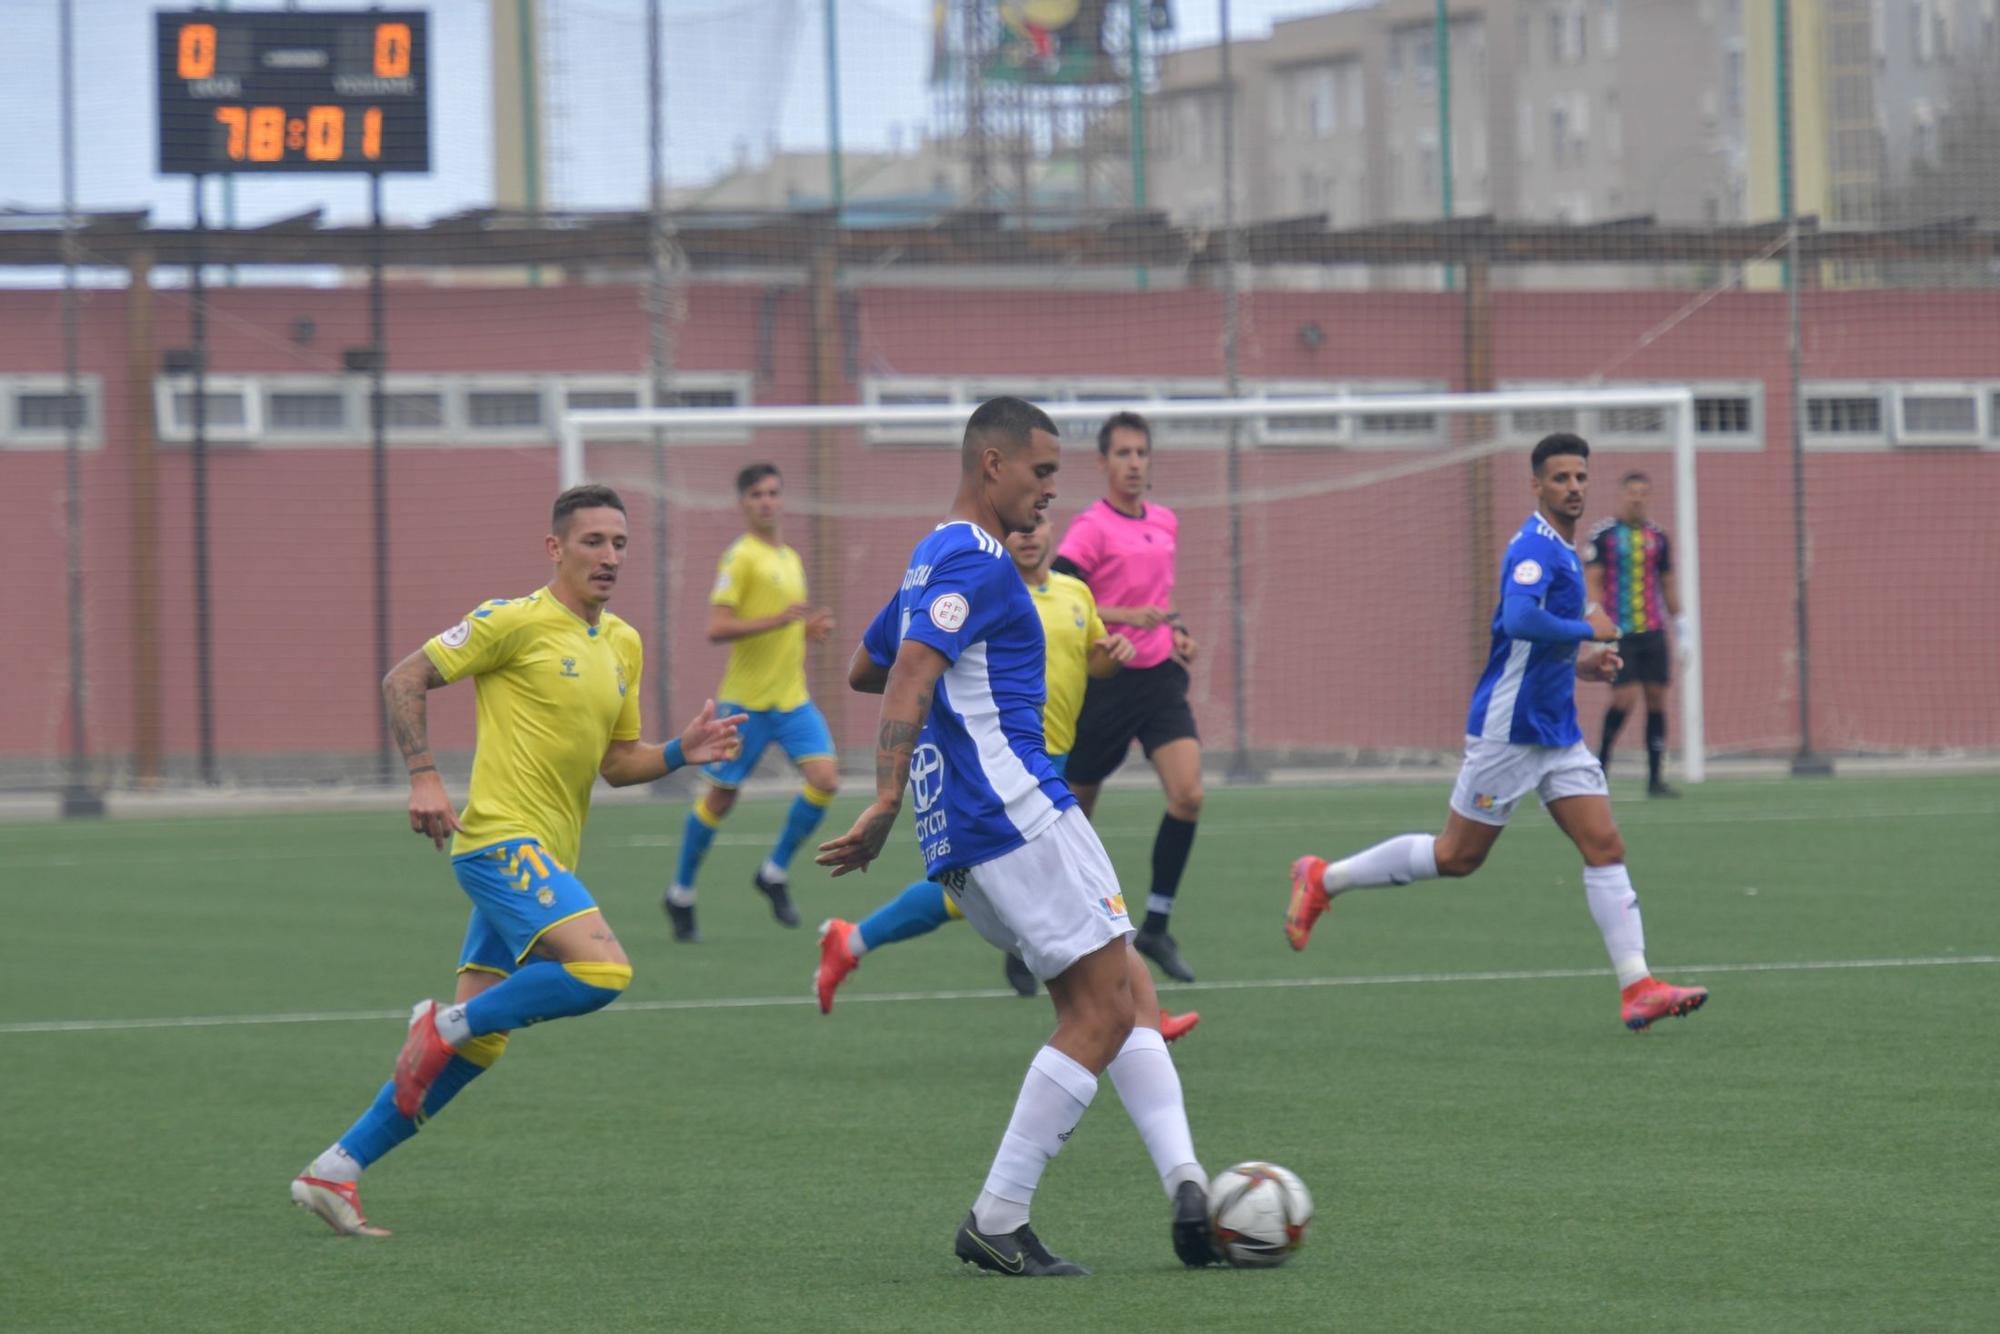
x: 558, y: 679
x: 1079, y: 648
x: 759, y: 608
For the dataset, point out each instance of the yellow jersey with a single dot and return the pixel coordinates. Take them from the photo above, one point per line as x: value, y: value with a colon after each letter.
x: 1070, y: 625
x: 767, y: 672
x: 554, y: 693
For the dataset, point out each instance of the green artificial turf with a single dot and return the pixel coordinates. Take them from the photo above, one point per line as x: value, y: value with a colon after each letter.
x: 1815, y: 1150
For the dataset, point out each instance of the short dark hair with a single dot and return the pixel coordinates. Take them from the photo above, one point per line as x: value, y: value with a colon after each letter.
x: 1129, y: 420
x: 1634, y: 476
x: 587, y: 497
x: 1562, y: 442
x: 1013, y: 419
x: 754, y: 474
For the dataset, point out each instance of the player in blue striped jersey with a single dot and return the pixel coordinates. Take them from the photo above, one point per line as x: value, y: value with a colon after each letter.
x: 1521, y: 737
x: 962, y: 729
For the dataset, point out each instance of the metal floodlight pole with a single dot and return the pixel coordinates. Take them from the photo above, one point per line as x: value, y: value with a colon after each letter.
x: 78, y: 798
x: 837, y: 190
x: 1805, y: 762
x: 1239, y: 656
x: 203, y: 637
x: 659, y: 351
x: 378, y: 465
x: 1135, y: 101
x: 1443, y: 44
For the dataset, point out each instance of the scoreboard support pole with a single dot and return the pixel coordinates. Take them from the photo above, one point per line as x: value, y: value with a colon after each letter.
x: 203, y: 641
x: 378, y: 456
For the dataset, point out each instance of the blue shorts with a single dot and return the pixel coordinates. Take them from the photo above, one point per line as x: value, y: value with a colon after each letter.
x: 518, y: 891
x: 801, y: 731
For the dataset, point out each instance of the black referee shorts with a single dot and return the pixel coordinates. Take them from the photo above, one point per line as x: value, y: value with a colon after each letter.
x: 1146, y: 704
x: 1646, y: 658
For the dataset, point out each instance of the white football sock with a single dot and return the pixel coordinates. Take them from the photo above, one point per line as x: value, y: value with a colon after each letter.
x: 336, y: 1164
x: 680, y: 896
x: 1615, y: 905
x: 857, y: 944
x: 770, y: 870
x: 452, y: 1025
x: 1053, y: 1099
x: 1397, y: 862
x: 1150, y: 1087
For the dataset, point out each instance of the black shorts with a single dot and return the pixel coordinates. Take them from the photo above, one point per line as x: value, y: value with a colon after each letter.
x: 1646, y: 658
x: 1147, y: 704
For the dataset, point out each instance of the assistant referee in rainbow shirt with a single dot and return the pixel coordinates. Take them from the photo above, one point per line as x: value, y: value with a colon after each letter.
x: 1123, y: 547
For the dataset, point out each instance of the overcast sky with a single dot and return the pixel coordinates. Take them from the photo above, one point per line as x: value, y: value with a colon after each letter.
x: 737, y: 72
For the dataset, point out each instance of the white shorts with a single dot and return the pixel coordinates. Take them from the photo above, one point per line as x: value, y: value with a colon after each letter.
x: 1496, y: 774
x: 1051, y: 901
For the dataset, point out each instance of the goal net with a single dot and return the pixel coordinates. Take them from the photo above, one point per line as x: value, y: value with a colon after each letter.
x: 1337, y: 561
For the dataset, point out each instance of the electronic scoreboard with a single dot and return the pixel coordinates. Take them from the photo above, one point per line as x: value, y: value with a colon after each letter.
x: 257, y: 91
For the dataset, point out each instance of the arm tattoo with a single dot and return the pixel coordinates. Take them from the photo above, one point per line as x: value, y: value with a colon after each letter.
x: 404, y: 698
x: 894, y: 742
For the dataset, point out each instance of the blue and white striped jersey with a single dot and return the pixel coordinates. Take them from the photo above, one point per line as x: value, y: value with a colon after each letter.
x: 1527, y: 694
x: 980, y: 776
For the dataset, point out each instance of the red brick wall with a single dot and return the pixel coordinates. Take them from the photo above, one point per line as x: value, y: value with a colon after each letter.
x: 1357, y: 602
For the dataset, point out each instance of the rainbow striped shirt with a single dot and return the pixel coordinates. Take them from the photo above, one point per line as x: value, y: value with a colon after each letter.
x: 1634, y: 557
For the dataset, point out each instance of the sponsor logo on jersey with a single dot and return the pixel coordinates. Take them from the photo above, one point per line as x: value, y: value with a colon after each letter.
x: 1114, y: 907
x: 926, y: 776
x: 949, y: 612
x: 1484, y: 801
x: 457, y: 635
x: 569, y: 667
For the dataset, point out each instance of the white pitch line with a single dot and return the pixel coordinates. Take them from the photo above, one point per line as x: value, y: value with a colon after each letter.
x: 893, y: 997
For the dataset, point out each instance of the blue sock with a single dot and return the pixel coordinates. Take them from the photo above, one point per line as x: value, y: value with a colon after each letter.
x: 917, y: 911
x: 542, y: 990
x: 381, y: 1128
x: 695, y: 838
x: 801, y: 820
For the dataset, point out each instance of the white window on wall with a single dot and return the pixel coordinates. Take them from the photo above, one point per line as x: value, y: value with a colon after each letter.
x: 1607, y: 27
x: 35, y: 411
x: 1559, y: 132
x: 306, y: 410
x: 1941, y: 414
x: 505, y: 408
x: 229, y: 409
x: 1322, y: 103
x: 1846, y: 415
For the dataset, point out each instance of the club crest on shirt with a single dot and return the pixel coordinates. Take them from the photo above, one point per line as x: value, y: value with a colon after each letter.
x: 1528, y: 572
x: 949, y: 612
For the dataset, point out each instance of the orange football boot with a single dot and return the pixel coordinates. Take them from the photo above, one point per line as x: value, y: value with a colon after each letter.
x: 1178, y: 1025
x: 422, y: 1060
x: 1309, y: 899
x: 1649, y: 999
x: 338, y: 1203
x: 836, y: 961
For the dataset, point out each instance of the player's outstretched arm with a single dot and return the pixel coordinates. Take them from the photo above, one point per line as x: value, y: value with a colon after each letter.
x: 704, y: 740
x: 906, y: 703
x: 404, y: 692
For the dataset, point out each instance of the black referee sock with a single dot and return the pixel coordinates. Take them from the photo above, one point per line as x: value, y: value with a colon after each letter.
x: 1613, y: 720
x: 1656, y: 745
x: 1170, y: 856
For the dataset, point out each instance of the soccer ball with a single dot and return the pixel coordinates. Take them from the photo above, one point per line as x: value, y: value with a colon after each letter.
x: 1260, y: 1212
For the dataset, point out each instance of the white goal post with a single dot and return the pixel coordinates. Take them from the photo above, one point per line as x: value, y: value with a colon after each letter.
x: 1676, y: 404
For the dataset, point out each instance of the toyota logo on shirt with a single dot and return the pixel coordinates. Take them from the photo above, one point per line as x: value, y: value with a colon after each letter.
x: 926, y: 776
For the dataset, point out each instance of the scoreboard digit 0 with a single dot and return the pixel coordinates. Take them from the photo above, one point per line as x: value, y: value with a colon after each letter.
x: 249, y: 91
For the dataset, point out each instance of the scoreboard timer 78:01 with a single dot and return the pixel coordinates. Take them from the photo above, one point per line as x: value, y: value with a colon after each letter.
x: 249, y: 91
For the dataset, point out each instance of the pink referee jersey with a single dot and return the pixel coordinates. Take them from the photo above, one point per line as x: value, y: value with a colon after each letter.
x: 1128, y: 562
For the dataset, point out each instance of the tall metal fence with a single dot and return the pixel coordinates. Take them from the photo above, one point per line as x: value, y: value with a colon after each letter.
x: 1796, y: 219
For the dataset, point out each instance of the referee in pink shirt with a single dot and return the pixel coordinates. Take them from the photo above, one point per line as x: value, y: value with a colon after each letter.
x: 1123, y: 547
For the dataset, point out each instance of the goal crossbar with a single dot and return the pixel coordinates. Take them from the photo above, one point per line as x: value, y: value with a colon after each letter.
x: 574, y: 427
